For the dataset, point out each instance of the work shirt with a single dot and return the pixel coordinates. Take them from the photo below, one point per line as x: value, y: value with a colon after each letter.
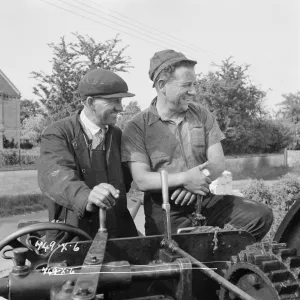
x: 164, y: 144
x: 173, y: 146
x: 93, y: 133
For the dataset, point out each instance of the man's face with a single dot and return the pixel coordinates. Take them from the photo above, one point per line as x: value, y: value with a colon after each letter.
x: 107, y: 110
x: 181, y: 89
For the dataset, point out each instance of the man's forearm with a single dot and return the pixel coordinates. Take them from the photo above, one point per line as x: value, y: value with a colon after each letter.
x: 151, y: 181
x: 215, y: 169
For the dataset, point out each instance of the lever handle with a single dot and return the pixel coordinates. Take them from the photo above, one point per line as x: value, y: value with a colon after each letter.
x: 164, y: 186
x: 102, y: 220
x: 166, y: 204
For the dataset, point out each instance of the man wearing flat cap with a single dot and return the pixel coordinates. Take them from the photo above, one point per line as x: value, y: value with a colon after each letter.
x: 183, y: 137
x: 80, y: 168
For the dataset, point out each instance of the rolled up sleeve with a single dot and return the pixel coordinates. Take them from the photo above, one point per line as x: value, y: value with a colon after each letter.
x: 213, y: 132
x: 133, y: 144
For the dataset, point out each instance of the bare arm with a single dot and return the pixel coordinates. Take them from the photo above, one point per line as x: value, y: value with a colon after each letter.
x: 215, y: 165
x: 215, y: 161
x: 193, y: 180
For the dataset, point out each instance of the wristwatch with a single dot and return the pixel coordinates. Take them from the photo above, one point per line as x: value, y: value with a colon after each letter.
x: 206, y: 172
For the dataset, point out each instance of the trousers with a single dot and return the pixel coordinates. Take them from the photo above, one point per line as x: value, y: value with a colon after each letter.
x: 219, y: 210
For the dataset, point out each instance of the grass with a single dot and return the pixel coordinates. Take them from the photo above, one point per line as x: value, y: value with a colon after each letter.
x: 21, y: 204
x: 17, y: 168
x: 262, y: 173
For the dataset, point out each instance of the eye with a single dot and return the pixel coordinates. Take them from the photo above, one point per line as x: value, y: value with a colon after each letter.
x: 187, y: 85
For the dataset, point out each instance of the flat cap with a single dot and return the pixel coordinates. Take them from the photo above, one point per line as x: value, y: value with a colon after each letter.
x: 103, y: 83
x: 164, y: 59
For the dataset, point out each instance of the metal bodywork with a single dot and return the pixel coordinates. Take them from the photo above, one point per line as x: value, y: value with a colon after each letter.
x: 289, y: 230
x: 136, y: 267
x: 216, y: 265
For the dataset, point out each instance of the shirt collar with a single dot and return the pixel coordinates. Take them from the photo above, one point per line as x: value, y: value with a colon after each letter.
x: 90, y: 126
x: 153, y: 115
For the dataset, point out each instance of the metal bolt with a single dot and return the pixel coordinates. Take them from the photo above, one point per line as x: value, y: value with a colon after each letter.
x: 68, y: 286
x: 94, y: 259
x: 254, y: 280
x: 82, y: 291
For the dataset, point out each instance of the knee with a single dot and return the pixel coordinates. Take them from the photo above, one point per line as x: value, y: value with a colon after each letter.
x: 264, y: 219
x: 266, y: 215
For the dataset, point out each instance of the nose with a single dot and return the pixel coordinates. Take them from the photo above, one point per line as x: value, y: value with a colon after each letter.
x: 192, y: 91
x: 119, y: 107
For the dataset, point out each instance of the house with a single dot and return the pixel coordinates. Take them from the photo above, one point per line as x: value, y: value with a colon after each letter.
x: 9, y: 110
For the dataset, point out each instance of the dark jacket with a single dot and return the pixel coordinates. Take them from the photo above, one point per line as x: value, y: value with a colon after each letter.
x: 64, y: 174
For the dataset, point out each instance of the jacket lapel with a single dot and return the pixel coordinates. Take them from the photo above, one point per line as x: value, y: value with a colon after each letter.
x: 80, y: 147
x: 108, y: 143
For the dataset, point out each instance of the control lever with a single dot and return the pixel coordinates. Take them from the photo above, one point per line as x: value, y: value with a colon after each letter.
x: 166, y: 204
x: 102, y: 220
x: 199, y: 217
x: 90, y: 272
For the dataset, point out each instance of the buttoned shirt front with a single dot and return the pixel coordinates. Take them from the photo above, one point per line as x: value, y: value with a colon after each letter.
x: 93, y: 132
x: 164, y: 144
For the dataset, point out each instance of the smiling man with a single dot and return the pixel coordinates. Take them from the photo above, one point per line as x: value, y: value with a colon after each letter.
x: 183, y: 137
x: 80, y: 168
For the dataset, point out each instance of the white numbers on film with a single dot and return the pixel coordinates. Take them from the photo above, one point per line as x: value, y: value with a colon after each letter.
x: 43, y: 245
x: 57, y: 271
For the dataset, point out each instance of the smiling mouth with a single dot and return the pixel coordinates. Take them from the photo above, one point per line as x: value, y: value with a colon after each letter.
x: 189, y: 99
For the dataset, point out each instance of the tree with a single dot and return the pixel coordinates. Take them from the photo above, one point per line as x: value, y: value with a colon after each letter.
x: 33, y: 127
x: 29, y: 108
x: 290, y: 107
x: 130, y: 110
x: 237, y: 104
x: 71, y: 60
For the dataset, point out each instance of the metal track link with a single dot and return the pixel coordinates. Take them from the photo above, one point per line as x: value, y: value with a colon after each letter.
x: 279, y: 263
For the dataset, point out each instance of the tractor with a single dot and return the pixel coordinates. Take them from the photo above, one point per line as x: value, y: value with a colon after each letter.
x: 192, y: 264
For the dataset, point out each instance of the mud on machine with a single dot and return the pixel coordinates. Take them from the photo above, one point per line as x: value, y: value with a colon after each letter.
x: 225, y: 265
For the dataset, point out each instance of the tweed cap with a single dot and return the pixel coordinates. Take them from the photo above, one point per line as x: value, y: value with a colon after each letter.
x: 163, y: 59
x: 103, y: 83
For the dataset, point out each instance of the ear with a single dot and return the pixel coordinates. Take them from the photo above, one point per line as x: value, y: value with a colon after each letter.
x: 161, y: 84
x: 90, y: 103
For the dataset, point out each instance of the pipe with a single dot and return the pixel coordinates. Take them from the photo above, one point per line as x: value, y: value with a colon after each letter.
x: 116, y: 275
x: 155, y: 271
x: 207, y: 271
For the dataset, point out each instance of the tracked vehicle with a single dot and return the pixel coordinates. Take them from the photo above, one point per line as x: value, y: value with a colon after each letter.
x: 192, y: 264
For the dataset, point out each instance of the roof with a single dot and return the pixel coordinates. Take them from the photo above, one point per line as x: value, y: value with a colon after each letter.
x: 7, y: 87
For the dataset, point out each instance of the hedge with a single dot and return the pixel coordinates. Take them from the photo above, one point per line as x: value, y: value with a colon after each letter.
x: 11, y: 158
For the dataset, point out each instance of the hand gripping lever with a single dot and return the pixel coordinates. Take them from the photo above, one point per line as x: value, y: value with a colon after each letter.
x: 172, y: 246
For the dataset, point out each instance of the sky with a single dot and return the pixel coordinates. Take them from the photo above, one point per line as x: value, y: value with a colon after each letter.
x: 264, y: 34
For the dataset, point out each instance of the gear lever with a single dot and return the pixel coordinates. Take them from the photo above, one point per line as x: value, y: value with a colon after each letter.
x: 166, y: 204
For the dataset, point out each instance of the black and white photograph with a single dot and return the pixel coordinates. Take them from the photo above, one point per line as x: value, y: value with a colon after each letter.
x: 150, y: 150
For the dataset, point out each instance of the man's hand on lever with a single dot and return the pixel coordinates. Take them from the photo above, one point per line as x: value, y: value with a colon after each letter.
x: 196, y: 183
x: 183, y: 197
x: 102, y: 195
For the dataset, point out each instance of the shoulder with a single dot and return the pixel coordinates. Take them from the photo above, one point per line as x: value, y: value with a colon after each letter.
x: 141, y: 117
x: 138, y: 123
x: 62, y: 126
